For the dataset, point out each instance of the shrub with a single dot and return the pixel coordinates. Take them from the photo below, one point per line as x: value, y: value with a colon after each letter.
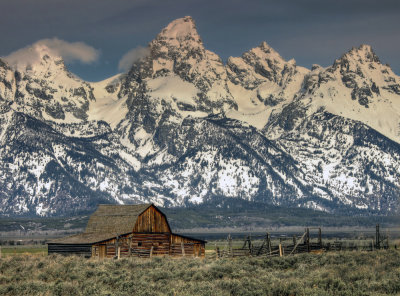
x: 343, y: 273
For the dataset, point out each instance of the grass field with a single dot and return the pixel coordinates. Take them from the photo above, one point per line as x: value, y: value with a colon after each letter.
x: 341, y: 273
x: 39, y: 250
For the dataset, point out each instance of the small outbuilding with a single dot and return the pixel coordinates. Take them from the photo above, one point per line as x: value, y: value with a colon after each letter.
x: 128, y: 230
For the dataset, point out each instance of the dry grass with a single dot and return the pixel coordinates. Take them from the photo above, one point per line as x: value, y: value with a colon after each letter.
x: 40, y: 250
x: 345, y: 273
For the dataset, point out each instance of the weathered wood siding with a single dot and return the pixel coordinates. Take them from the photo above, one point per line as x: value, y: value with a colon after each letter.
x: 177, y: 239
x: 136, y: 244
x: 149, y: 244
x: 151, y: 221
x: 186, y: 246
x: 108, y: 249
x: 142, y: 244
x: 63, y: 249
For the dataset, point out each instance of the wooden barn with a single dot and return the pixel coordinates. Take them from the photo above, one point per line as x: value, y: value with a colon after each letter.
x: 128, y: 230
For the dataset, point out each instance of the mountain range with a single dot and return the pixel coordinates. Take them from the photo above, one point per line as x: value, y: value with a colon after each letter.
x: 182, y: 127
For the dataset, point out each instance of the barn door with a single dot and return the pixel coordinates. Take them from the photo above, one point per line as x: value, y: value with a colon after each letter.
x: 102, y: 251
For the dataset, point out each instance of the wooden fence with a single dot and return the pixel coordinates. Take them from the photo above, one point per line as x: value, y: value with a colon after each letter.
x: 147, y: 250
x: 296, y: 245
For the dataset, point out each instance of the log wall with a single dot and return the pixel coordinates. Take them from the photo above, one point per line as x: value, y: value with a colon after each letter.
x: 152, y: 221
x: 63, y: 249
x: 147, y: 245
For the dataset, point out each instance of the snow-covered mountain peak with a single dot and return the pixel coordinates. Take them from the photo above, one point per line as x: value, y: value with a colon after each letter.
x: 363, y: 53
x: 37, y: 57
x: 178, y: 52
x: 356, y: 57
x: 263, y: 65
x: 43, y: 87
x: 267, y: 52
x: 357, y: 86
x: 179, y: 31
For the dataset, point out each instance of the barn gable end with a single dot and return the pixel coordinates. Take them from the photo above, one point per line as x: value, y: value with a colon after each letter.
x: 152, y: 220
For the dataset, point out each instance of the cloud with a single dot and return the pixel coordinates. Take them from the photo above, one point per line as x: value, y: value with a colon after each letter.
x: 69, y: 51
x: 132, y: 56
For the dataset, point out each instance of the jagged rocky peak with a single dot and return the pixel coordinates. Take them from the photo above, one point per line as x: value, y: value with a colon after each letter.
x: 44, y: 88
x: 265, y: 51
x: 363, y: 53
x: 178, y: 63
x: 180, y: 32
x: 360, y: 68
x: 259, y: 65
x: 357, y: 57
x: 179, y: 49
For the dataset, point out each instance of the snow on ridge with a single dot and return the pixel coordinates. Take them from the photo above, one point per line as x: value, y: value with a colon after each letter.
x: 174, y: 88
x: 107, y: 106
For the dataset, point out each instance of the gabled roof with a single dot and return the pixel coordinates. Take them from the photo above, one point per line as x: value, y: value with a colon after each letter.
x: 115, y: 219
x: 107, y: 222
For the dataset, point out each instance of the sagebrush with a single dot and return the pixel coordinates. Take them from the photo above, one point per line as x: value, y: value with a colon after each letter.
x: 341, y: 273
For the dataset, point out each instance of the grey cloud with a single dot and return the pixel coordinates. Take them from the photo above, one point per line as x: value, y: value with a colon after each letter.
x: 69, y: 51
x: 132, y: 56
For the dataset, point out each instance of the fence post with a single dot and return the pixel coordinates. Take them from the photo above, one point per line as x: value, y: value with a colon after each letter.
x: 183, y: 249
x: 280, y: 250
x: 320, y: 237
x: 230, y: 245
x: 116, y: 246
x: 377, y: 238
x: 387, y: 239
x: 119, y: 253
x: 151, y: 252
x: 250, y: 245
x: 130, y: 246
x: 269, y: 244
x: 308, y: 239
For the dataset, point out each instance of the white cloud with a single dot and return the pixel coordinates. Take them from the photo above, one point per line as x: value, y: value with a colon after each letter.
x: 132, y: 56
x: 69, y: 51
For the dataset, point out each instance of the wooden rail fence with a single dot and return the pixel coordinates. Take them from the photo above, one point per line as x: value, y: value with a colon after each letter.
x: 302, y: 244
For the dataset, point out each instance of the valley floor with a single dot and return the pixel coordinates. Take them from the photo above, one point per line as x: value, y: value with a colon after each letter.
x: 335, y: 273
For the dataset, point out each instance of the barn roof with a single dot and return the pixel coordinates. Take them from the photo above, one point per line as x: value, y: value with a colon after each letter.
x: 115, y: 219
x: 107, y: 222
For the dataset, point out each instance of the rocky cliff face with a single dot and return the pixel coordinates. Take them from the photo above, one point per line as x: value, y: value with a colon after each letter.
x: 182, y: 128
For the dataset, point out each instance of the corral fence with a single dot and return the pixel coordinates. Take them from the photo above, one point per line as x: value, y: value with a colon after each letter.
x: 311, y: 241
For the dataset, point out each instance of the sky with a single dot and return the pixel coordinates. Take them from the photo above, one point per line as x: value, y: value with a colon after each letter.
x: 310, y: 31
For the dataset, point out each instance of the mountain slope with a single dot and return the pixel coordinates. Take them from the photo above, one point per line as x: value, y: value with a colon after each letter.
x: 182, y: 128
